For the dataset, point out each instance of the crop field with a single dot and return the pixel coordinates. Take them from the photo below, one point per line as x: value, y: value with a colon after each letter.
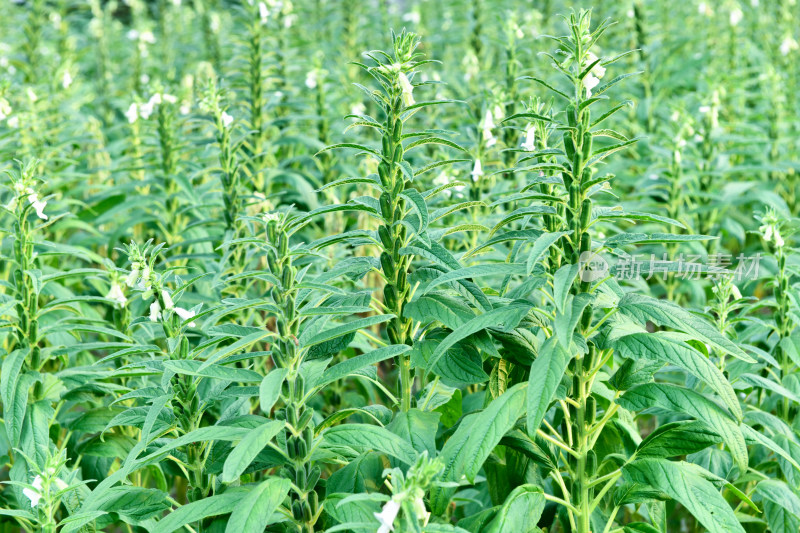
x: 410, y: 266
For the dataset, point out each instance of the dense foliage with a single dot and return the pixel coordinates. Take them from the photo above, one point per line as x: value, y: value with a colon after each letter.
x: 522, y: 267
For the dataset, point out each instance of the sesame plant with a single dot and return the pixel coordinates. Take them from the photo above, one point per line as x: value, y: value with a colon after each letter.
x: 517, y: 267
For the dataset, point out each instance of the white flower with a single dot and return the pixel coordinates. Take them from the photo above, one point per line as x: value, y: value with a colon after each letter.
x: 116, y: 294
x: 311, y: 79
x: 66, y: 79
x: 130, y: 281
x: 37, y: 204
x: 270, y: 217
x: 170, y: 99
x: 704, y: 109
x: 598, y: 70
x: 31, y: 95
x: 705, y: 9
x: 590, y: 82
x: 358, y: 109
x: 34, y: 495
x: 754, y: 3
x: 144, y: 283
x: 529, y: 143
x: 387, y: 515
x: 147, y: 37
x: 13, y: 122
x: 736, y: 16
x: 413, y: 17
x: 132, y: 35
x: 477, y: 170
x: 146, y: 109
x: 787, y: 45
x: 155, y: 311
x: 407, y: 88
x: 736, y: 293
x: 185, y: 315
x: 778, y: 239
x: 167, y: 300
x: 132, y: 113
x: 5, y: 108
x: 263, y: 12
x: 488, y: 125
x: 186, y: 108
x: 227, y: 120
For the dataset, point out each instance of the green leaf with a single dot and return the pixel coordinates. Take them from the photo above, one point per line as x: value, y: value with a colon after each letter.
x: 195, y: 511
x: 466, y: 450
x: 545, y: 376
x: 477, y: 271
x: 237, y: 346
x: 540, y: 246
x: 668, y: 314
x: 678, y: 438
x: 254, y: 513
x: 248, y: 448
x: 270, y: 389
x: 354, y: 364
x: 521, y: 510
x: 686, y: 486
x: 418, y: 428
x: 689, y: 402
x: 505, y: 318
x: 199, y: 368
x: 668, y: 349
x: 344, y: 329
x: 366, y: 437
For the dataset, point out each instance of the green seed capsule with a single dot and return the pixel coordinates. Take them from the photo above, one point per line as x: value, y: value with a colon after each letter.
x: 398, y: 129
x: 385, y: 237
x: 591, y: 463
x: 591, y: 409
x: 313, y: 476
x: 383, y: 174
x: 386, y: 206
x: 272, y: 262
x: 587, y: 146
x: 387, y: 265
x: 397, y: 155
x: 386, y: 146
x: 572, y: 115
x: 586, y: 213
x: 300, y: 477
x: 390, y: 296
x: 297, y: 510
x: 183, y: 350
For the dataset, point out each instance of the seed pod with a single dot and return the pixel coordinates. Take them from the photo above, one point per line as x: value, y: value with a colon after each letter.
x: 572, y: 115
x: 569, y: 146
x: 386, y: 146
x: 591, y: 409
x: 313, y: 476
x: 585, y: 115
x: 272, y: 231
x: 299, y: 389
x: 183, y: 350
x: 272, y: 262
x: 586, y: 318
x: 390, y: 296
x: 397, y: 155
x: 385, y: 238
x: 387, y: 265
x: 308, y: 435
x: 283, y: 331
x: 591, y: 463
x: 586, y: 242
x: 283, y: 244
x: 398, y: 129
x: 574, y: 197
x: 587, y: 146
x: 386, y: 206
x: 383, y: 174
x: 302, y: 450
x: 300, y: 477
x: 586, y: 213
x: 287, y: 279
x: 291, y: 414
x: 297, y: 510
